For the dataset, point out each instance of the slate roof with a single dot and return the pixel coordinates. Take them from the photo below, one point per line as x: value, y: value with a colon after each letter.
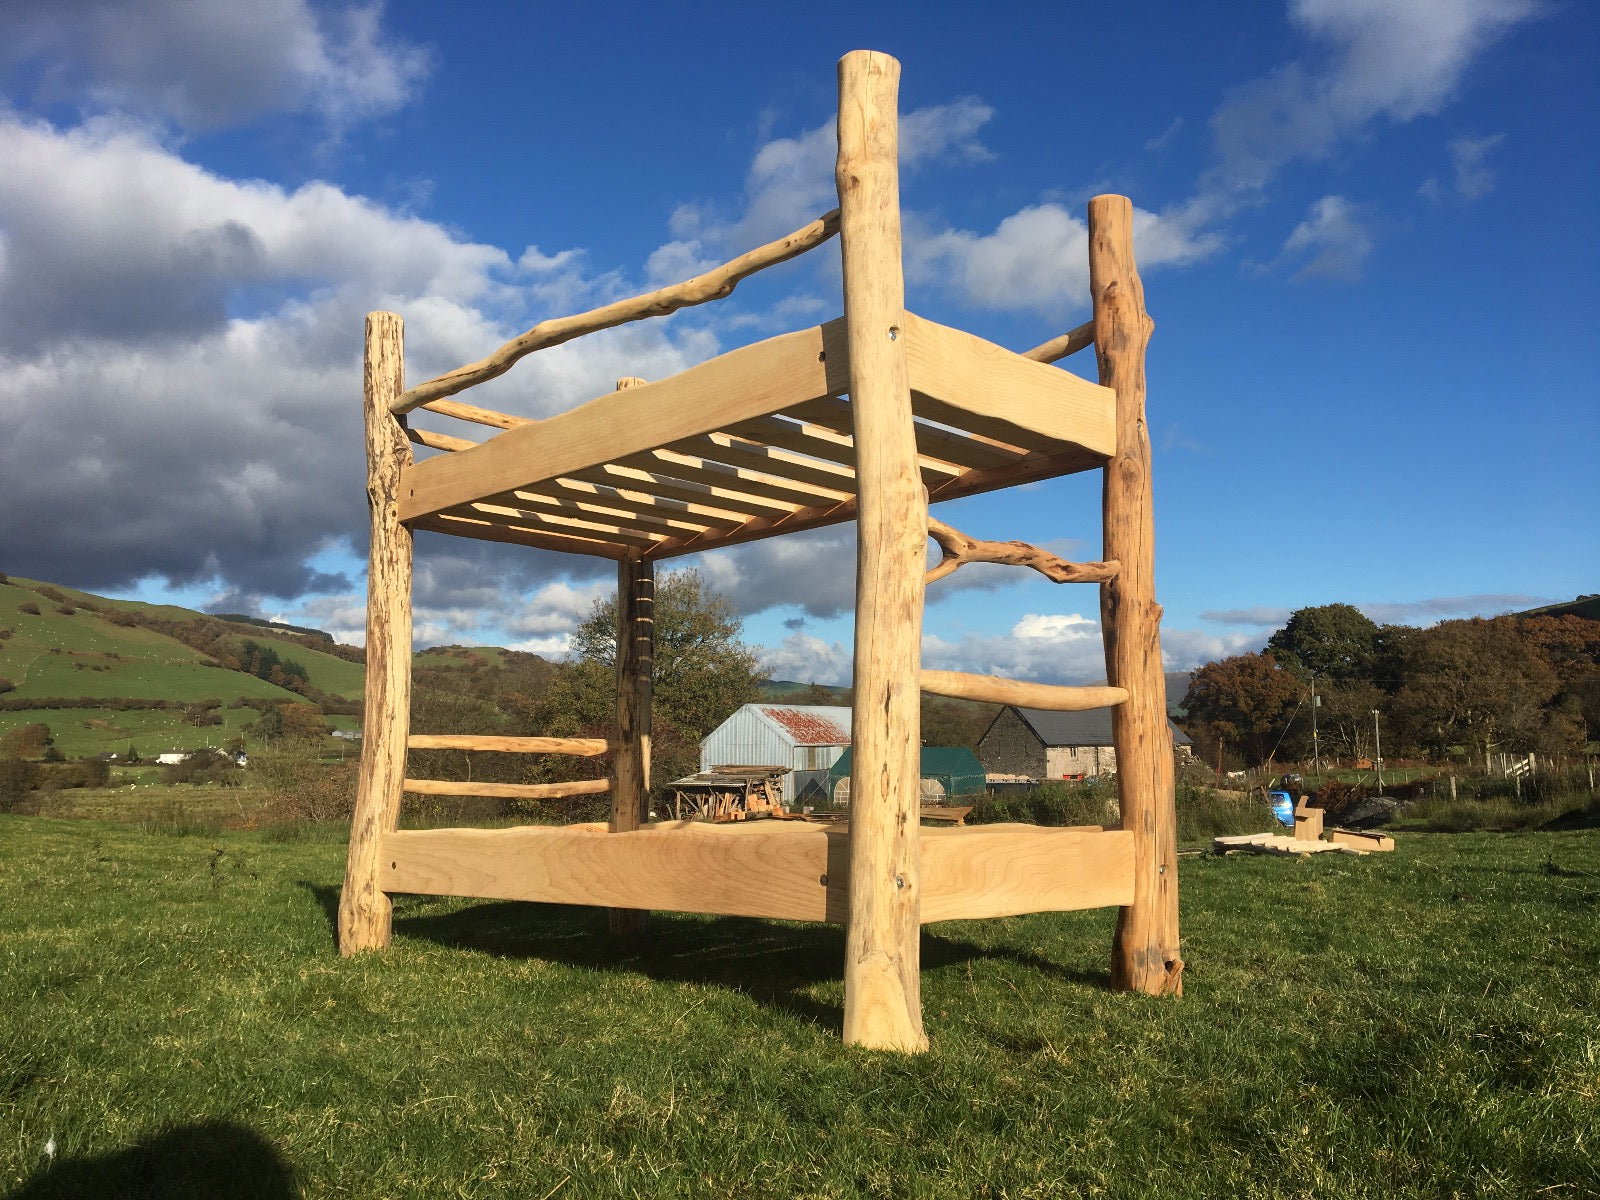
x: 1090, y: 728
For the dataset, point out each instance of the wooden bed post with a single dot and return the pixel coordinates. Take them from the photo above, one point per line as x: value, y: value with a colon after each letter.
x: 365, y: 914
x: 1144, y: 952
x: 630, y: 793
x: 883, y: 992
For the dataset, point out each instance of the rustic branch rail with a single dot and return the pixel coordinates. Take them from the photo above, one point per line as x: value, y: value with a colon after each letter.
x: 515, y: 791
x: 1068, y: 343
x: 584, y: 747
x: 713, y: 285
x: 478, y: 416
x: 995, y: 690
x: 961, y: 548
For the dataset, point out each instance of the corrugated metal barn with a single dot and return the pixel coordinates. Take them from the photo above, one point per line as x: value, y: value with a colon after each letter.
x: 806, y: 738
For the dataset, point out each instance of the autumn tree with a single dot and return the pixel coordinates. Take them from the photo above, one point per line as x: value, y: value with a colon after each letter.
x: 1474, y: 683
x: 1246, y: 703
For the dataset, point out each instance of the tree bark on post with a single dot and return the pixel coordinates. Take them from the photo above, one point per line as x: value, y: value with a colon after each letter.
x: 883, y: 1000
x: 1144, y: 955
x: 365, y: 913
x: 630, y: 793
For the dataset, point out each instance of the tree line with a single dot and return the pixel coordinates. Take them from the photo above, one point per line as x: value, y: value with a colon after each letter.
x: 1461, y: 689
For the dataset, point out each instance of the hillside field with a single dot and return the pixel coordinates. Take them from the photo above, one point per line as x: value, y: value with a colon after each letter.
x: 73, y: 649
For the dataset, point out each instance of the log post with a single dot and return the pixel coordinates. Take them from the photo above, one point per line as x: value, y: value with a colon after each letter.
x: 630, y: 794
x: 1144, y: 954
x: 883, y: 1001
x: 365, y: 914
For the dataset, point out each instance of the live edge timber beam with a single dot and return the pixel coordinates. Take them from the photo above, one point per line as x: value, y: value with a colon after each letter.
x: 777, y: 869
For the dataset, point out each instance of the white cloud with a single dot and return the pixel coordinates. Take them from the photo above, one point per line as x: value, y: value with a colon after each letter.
x: 1037, y: 259
x: 1040, y: 647
x: 1474, y: 180
x: 1186, y: 649
x: 180, y: 358
x: 1378, y: 59
x: 807, y: 659
x: 205, y: 64
x: 1333, y: 242
x: 790, y: 182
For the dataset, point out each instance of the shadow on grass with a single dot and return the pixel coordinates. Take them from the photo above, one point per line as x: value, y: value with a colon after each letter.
x: 210, y: 1160
x: 774, y: 963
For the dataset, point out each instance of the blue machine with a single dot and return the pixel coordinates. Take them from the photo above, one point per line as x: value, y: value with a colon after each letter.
x: 1282, y: 807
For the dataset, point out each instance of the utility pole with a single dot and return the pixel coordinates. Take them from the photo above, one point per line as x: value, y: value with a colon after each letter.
x: 1377, y: 749
x: 1316, y: 749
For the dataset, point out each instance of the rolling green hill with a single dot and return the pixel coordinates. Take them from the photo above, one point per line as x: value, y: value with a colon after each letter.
x: 106, y: 673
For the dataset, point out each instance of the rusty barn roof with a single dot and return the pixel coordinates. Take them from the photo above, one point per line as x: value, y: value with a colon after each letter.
x: 811, y: 724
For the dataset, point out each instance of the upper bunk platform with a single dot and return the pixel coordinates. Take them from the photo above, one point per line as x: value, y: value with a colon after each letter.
x: 750, y: 444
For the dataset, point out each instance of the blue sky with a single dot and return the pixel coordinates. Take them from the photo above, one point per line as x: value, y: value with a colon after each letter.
x: 1370, y: 237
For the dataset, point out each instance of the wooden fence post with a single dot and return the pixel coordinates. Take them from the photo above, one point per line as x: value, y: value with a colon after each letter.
x: 630, y: 793
x: 883, y: 987
x: 1144, y: 954
x: 365, y: 914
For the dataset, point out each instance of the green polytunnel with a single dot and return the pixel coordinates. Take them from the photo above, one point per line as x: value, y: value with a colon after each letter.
x: 949, y: 773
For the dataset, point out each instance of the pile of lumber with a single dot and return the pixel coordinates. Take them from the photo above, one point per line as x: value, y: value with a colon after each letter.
x: 1308, y: 838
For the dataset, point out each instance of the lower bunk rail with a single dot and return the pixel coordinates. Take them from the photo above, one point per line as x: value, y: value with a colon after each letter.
x: 782, y: 870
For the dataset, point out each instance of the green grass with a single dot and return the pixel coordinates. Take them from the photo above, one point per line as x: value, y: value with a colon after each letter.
x: 177, y: 1022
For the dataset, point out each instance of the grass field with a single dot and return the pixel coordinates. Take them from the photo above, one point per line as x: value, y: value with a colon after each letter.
x: 176, y: 1022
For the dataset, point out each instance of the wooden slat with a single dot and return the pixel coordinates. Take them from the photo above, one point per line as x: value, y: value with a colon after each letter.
x: 623, y: 516
x: 511, y: 791
x: 995, y: 690
x: 819, y: 441
x: 968, y: 383
x: 779, y: 869
x: 933, y: 441
x: 713, y: 285
x: 554, y: 522
x: 783, y: 465
x: 478, y: 416
x: 757, y: 529
x: 768, y: 493
x: 649, y: 504
x: 744, y: 504
x: 749, y: 382
x: 484, y: 530
x: 581, y: 747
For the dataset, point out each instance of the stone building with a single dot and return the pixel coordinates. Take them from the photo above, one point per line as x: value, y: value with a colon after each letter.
x: 1045, y: 745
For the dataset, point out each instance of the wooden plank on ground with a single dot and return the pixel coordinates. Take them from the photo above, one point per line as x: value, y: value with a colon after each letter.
x: 1360, y: 839
x: 1277, y: 843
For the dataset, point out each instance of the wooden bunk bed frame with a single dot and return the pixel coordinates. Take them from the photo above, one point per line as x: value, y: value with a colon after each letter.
x: 869, y: 417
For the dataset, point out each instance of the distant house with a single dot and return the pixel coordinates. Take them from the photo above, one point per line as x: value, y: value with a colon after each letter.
x: 172, y: 757
x: 805, y: 738
x: 1041, y: 744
